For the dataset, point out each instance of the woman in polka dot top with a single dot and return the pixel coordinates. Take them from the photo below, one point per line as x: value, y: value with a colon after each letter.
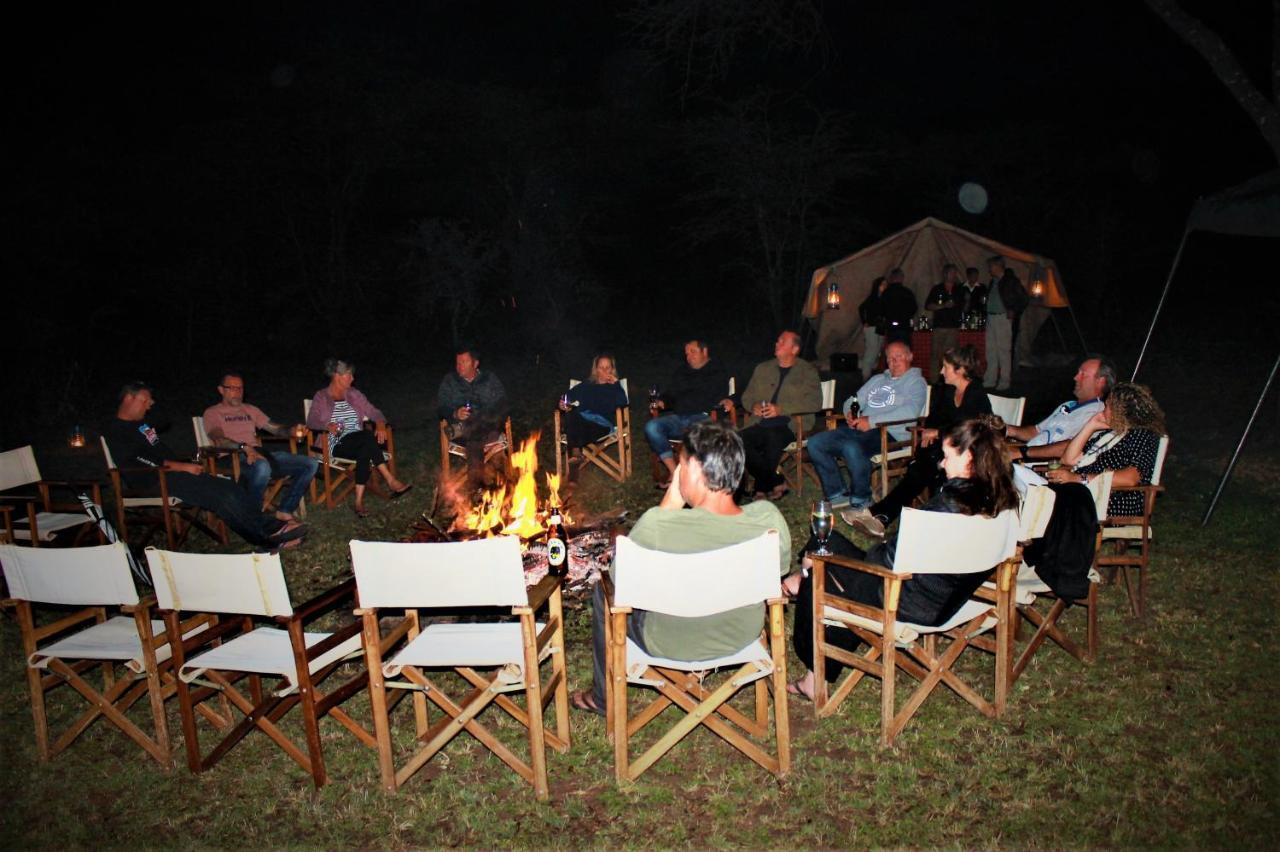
x: 1124, y: 438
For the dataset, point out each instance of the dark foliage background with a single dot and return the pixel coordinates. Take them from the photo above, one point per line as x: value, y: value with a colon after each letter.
x: 264, y: 184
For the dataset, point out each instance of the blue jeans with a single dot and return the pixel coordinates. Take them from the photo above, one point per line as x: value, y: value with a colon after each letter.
x: 300, y: 470
x: 661, y: 431
x: 856, y: 448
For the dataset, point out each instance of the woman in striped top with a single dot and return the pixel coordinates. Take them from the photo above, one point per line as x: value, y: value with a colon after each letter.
x: 341, y: 410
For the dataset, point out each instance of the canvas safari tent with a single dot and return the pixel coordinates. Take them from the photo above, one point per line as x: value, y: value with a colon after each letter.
x: 921, y: 250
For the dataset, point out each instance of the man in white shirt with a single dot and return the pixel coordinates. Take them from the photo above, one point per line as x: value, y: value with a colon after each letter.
x: 1048, y: 438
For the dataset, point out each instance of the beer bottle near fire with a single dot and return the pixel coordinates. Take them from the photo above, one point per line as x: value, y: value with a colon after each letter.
x: 557, y: 545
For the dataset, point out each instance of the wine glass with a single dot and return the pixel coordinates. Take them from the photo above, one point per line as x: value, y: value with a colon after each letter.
x: 564, y: 402
x: 820, y: 521
x: 654, y: 395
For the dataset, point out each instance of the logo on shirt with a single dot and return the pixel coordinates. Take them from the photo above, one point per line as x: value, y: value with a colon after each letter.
x: 150, y: 434
x: 885, y: 396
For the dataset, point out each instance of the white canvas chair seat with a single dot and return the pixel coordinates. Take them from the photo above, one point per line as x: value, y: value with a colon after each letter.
x: 904, y: 632
x: 484, y: 645
x: 114, y: 639
x: 695, y: 585
x: 49, y: 524
x: 268, y: 651
x: 1129, y: 532
x: 756, y: 653
x: 144, y: 502
x: 411, y: 576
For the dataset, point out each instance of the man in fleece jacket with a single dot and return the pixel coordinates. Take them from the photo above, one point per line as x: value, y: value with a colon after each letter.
x: 896, y: 394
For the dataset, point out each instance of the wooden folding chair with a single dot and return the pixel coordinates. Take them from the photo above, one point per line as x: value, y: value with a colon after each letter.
x: 1008, y: 408
x: 794, y: 464
x: 891, y: 462
x: 158, y: 512
x: 486, y: 572
x: 1030, y: 590
x: 46, y: 520
x: 693, y: 585
x: 337, y: 476
x: 132, y: 649
x: 451, y: 449
x: 928, y: 543
x: 1124, y: 534
x: 209, y: 664
x: 612, y: 453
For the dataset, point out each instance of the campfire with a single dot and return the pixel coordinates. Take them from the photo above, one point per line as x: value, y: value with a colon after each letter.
x: 512, y: 507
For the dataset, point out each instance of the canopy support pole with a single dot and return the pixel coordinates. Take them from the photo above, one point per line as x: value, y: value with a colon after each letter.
x: 1177, y: 258
x: 1240, y: 445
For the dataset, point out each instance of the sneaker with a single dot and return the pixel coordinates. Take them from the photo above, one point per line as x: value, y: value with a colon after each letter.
x: 863, y: 520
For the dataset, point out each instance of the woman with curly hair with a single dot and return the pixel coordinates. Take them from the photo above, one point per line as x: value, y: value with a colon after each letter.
x: 1122, y: 438
x: 978, y: 482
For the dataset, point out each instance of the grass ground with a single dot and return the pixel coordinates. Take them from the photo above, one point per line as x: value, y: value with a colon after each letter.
x: 1170, y: 739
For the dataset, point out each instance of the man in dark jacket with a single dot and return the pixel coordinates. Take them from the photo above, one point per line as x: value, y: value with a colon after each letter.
x: 898, y: 305
x: 1006, y: 297
x: 473, y: 404
x: 695, y: 388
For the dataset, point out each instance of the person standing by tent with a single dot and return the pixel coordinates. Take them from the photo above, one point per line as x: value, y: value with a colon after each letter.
x: 873, y: 326
x: 1006, y: 297
x: 898, y: 305
x: 946, y: 301
x: 974, y: 292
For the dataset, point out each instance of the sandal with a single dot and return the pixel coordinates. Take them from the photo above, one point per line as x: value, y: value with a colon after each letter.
x: 584, y: 700
x: 360, y: 512
x: 396, y: 495
x: 793, y: 688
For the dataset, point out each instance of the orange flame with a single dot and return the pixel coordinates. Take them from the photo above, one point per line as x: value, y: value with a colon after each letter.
x: 512, y: 511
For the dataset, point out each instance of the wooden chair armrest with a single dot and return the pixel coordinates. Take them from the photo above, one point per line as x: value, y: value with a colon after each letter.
x: 143, y: 604
x: 538, y: 595
x: 334, y: 640
x: 205, y: 637
x: 859, y: 565
x: 321, y: 603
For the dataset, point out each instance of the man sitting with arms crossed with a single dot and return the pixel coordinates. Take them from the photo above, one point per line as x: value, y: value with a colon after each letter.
x: 697, y: 386
x: 1049, y: 438
x: 710, y: 468
x: 133, y: 442
x: 235, y: 423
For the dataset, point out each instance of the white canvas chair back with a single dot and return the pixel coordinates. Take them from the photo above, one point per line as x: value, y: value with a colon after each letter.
x: 1100, y: 489
x: 202, y: 437
x: 1161, y: 452
x: 1008, y: 408
x: 76, y: 576
x: 106, y: 454
x: 697, y: 584
x: 941, y: 543
x: 928, y: 400
x: 1036, y: 509
x: 828, y: 393
x: 18, y: 467
x: 733, y: 386
x: 242, y: 583
x: 484, y: 572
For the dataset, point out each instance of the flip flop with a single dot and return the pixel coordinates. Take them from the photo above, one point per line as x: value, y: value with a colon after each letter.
x: 361, y: 513
x: 585, y: 701
x: 793, y: 688
x: 396, y: 495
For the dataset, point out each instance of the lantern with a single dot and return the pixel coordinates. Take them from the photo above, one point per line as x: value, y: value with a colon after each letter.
x: 833, y: 296
x: 1037, y: 288
x: 75, y: 438
x: 300, y: 432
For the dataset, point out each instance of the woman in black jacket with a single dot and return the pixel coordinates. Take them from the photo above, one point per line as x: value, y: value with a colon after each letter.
x: 977, y: 483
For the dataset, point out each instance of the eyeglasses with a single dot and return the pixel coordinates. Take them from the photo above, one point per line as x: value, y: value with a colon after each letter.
x: 232, y: 387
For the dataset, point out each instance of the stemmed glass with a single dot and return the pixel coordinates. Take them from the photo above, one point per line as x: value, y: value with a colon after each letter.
x: 821, y: 522
x: 564, y: 402
x: 654, y: 395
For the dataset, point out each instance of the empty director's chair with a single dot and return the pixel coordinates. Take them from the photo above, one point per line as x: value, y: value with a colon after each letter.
x: 237, y: 588
x: 449, y: 575
x: 131, y: 649
x: 41, y: 519
x: 934, y: 543
x: 694, y: 585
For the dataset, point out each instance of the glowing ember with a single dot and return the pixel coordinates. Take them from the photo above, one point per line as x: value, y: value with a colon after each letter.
x: 512, y: 511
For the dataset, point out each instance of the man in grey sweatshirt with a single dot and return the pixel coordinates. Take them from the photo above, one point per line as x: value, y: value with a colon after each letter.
x: 898, y: 393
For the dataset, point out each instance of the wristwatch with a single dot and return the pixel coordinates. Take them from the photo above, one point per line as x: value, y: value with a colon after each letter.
x: 1022, y: 452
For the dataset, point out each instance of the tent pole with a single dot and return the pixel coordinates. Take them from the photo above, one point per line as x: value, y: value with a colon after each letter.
x: 1240, y: 446
x: 1177, y: 258
x: 1084, y: 347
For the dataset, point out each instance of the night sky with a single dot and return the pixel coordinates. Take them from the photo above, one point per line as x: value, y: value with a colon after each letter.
x: 325, y: 176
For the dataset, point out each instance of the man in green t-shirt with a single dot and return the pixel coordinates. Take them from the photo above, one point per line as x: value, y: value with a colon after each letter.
x: 710, y: 468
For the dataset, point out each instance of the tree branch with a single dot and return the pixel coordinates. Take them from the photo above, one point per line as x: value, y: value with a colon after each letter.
x: 1226, y: 66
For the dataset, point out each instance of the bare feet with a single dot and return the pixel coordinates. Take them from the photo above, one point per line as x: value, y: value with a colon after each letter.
x: 802, y: 687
